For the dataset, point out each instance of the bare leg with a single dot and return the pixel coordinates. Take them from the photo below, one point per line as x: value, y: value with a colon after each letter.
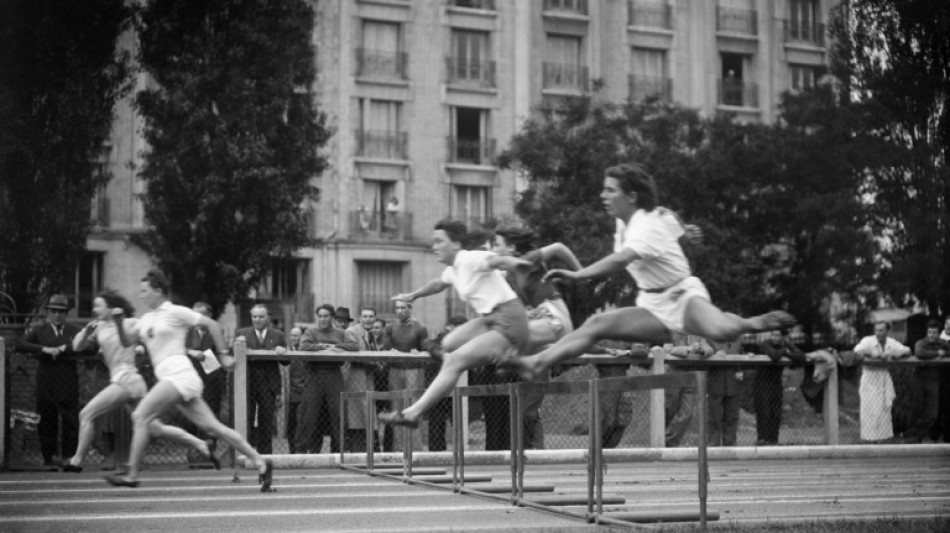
x: 541, y: 334
x: 159, y: 430
x: 630, y: 324
x: 200, y: 414
x: 109, y: 398
x: 162, y: 396
x: 705, y: 319
x: 479, y: 351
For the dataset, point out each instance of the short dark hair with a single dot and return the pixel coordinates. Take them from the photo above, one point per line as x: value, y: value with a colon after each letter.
x: 380, y: 319
x: 633, y: 178
x: 157, y: 280
x: 934, y: 323
x: 454, y: 229
x: 327, y: 307
x: 476, y: 239
x: 521, y: 239
x: 885, y: 322
x: 367, y: 308
x: 115, y: 300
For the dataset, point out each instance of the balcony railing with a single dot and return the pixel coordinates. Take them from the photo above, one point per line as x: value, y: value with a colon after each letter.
x: 464, y: 71
x: 578, y: 7
x: 473, y: 151
x: 375, y: 225
x: 99, y: 216
x: 805, y: 32
x: 565, y: 76
x: 738, y: 93
x: 736, y: 20
x: 643, y: 87
x: 381, y: 144
x: 381, y: 64
x: 649, y: 14
x: 488, y: 5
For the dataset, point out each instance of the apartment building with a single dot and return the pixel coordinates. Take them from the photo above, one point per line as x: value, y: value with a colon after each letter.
x: 422, y: 95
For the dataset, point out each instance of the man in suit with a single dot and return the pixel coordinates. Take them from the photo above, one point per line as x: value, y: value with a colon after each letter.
x: 198, y: 343
x: 57, y: 379
x: 724, y: 388
x: 263, y: 378
x: 359, y: 377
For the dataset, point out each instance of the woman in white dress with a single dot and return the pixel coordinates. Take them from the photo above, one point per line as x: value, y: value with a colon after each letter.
x: 670, y: 300
x: 877, y: 388
x: 126, y: 386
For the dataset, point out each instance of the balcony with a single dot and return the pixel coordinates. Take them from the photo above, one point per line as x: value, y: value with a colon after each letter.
x: 644, y: 87
x: 650, y: 14
x: 381, y: 64
x: 379, y: 225
x: 381, y: 144
x: 488, y: 5
x: 463, y: 71
x: 99, y: 212
x: 810, y: 32
x: 471, y: 151
x: 565, y: 76
x: 738, y: 93
x: 735, y: 20
x: 575, y: 7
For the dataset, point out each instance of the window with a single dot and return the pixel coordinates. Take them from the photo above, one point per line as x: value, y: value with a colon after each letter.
x: 470, y: 62
x: 377, y: 282
x: 471, y: 204
x: 802, y: 77
x: 286, y: 279
x: 563, y: 63
x: 737, y: 16
x: 734, y: 89
x: 87, y: 282
x: 649, y: 78
x: 574, y: 6
x: 803, y: 23
x: 381, y: 53
x: 380, y: 129
x: 470, y: 141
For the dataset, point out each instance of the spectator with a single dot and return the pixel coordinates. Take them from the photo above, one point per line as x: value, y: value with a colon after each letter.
x: 681, y: 402
x: 324, y: 383
x: 941, y: 429
x: 263, y: 378
x: 616, y: 409
x: 406, y: 335
x: 199, y: 345
x: 927, y: 381
x: 442, y: 410
x: 767, y: 387
x: 381, y: 343
x: 297, y: 380
x: 877, y: 388
x: 57, y: 380
x: 342, y: 318
x: 725, y: 385
x: 392, y: 215
x: 358, y: 378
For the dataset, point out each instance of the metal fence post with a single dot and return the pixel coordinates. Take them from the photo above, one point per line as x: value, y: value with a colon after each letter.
x: 703, y: 464
x: 456, y: 438
x: 830, y: 407
x: 597, y: 455
x: 370, y: 428
x: 516, y: 427
x: 240, y: 388
x: 463, y: 422
x: 4, y: 390
x: 658, y: 404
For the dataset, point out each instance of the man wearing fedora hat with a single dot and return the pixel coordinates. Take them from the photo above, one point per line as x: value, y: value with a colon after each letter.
x: 57, y: 379
x: 342, y: 318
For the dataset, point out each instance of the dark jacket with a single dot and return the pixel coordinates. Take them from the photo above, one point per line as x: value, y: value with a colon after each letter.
x: 57, y: 379
x: 263, y: 373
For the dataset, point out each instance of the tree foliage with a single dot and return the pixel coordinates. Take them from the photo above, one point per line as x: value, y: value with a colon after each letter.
x: 60, y: 77
x: 895, y: 56
x: 233, y: 138
x: 779, y: 204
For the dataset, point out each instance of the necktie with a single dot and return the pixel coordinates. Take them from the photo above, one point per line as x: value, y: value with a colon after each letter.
x: 260, y: 337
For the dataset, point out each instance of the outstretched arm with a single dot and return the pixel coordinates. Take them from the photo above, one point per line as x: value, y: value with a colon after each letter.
x: 434, y: 286
x: 562, y: 253
x: 612, y: 263
x: 507, y: 262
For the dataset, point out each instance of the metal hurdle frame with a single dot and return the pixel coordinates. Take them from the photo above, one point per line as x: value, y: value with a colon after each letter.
x: 514, y: 409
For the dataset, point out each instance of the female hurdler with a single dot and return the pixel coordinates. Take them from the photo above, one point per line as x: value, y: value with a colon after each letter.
x: 503, y: 323
x: 126, y: 386
x: 670, y: 300
x: 163, y: 330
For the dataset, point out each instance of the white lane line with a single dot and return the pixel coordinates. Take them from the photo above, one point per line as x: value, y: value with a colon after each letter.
x: 146, y: 477
x: 251, y: 514
x: 733, y: 503
x: 102, y: 487
x: 229, y: 498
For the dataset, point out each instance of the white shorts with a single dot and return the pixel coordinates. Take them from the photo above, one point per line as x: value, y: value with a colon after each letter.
x: 128, y: 378
x: 179, y: 371
x: 557, y: 315
x: 669, y: 306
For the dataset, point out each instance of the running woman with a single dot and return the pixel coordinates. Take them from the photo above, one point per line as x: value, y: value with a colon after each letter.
x: 671, y: 299
x: 126, y: 386
x: 163, y: 330
x: 503, y: 323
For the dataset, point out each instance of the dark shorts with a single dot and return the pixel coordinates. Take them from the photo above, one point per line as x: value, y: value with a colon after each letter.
x: 511, y: 320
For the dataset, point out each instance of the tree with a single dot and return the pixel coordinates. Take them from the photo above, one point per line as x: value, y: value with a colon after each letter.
x: 233, y: 140
x: 896, y: 56
x: 60, y: 77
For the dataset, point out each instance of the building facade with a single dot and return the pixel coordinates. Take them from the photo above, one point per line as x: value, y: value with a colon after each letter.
x: 422, y: 95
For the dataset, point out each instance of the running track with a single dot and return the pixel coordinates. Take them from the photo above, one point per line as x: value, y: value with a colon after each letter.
x: 335, y: 500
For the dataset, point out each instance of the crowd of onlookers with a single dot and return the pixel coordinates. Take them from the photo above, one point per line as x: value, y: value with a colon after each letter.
x: 312, y: 392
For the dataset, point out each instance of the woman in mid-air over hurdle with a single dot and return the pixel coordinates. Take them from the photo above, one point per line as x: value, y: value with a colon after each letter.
x: 670, y: 300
